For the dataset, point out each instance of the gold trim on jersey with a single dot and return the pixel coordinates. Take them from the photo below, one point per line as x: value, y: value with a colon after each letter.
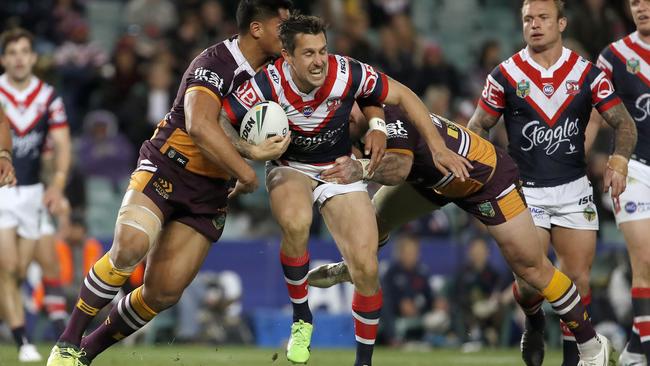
x: 205, y: 90
x: 511, y: 204
x: 139, y: 180
x: 401, y: 151
x: 197, y: 163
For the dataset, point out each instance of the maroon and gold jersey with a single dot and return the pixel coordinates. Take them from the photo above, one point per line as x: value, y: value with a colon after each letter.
x: 492, y: 192
x: 218, y: 70
x: 404, y: 138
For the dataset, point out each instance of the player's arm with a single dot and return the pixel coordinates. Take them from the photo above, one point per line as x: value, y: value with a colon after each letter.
x: 596, y: 122
x: 62, y: 157
x: 625, y: 137
x: 481, y: 122
x: 270, y: 149
x: 201, y: 113
x: 444, y: 159
x: 392, y: 170
x: 369, y: 121
x: 7, y: 175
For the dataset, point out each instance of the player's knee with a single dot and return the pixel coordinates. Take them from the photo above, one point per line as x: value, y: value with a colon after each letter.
x: 126, y: 254
x: 363, y: 270
x: 161, y: 299
x: 296, y: 226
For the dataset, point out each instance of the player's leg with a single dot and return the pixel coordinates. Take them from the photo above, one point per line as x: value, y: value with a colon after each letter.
x: 636, y: 236
x: 575, y: 251
x: 394, y: 206
x: 11, y: 309
x: 172, y: 264
x: 137, y: 227
x: 290, y: 194
x: 54, y: 302
x: 351, y: 220
x: 525, y: 255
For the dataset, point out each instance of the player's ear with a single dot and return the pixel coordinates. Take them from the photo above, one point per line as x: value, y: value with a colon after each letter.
x: 563, y: 23
x: 285, y: 55
x: 256, y: 30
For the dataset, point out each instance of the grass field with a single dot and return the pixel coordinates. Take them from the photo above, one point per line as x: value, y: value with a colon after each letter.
x: 249, y: 356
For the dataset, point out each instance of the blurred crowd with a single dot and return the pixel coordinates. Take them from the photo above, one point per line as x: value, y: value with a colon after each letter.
x: 118, y: 63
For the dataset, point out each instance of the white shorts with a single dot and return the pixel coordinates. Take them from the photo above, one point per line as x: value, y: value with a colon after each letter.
x: 569, y: 205
x: 47, y: 223
x: 21, y: 207
x: 634, y: 202
x: 324, y: 190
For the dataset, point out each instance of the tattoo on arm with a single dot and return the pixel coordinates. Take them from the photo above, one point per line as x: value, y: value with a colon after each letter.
x: 481, y: 122
x: 393, y: 169
x: 243, y: 147
x: 624, y: 129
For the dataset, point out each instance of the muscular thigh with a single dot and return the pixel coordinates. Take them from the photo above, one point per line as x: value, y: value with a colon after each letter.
x: 9, y: 250
x: 575, y: 249
x: 173, y: 263
x: 290, y: 195
x: 397, y: 205
x: 636, y: 236
x: 351, y: 220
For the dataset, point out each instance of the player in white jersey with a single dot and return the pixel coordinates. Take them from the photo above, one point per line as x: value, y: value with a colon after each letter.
x: 627, y: 63
x: 317, y: 91
x: 546, y: 93
x: 34, y: 111
x: 7, y: 174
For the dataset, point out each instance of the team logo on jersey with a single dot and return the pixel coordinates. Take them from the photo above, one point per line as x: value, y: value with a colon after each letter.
x: 333, y: 104
x: 572, y: 87
x: 633, y: 66
x: 307, y: 111
x: 589, y: 213
x: 486, y: 209
x: 163, y: 187
x: 548, y: 89
x: 523, y: 89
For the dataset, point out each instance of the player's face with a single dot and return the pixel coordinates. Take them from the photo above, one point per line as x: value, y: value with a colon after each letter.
x: 270, y: 39
x: 641, y: 15
x: 19, y: 59
x: 542, y: 28
x: 309, y: 59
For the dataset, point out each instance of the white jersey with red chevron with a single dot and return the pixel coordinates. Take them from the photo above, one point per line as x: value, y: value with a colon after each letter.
x: 627, y: 63
x: 546, y: 111
x: 32, y: 112
x: 319, y: 120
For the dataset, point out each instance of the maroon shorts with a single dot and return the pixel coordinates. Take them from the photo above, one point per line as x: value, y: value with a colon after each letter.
x: 499, y: 200
x: 195, y: 200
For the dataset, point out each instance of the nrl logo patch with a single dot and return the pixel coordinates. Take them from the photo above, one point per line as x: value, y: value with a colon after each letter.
x: 523, y: 89
x: 633, y: 66
x: 486, y: 209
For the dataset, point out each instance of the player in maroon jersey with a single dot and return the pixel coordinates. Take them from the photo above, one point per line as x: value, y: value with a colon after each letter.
x: 176, y: 203
x: 546, y: 93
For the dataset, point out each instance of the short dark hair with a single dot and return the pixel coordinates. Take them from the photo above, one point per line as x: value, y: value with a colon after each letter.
x: 296, y: 24
x: 249, y: 11
x: 559, y: 5
x: 13, y: 35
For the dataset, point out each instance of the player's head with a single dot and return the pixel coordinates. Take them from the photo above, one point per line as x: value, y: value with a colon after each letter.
x: 304, y: 46
x: 543, y: 22
x: 261, y: 19
x: 640, y: 10
x: 18, y: 56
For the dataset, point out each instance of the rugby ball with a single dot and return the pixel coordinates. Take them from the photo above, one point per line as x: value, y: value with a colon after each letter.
x: 264, y: 120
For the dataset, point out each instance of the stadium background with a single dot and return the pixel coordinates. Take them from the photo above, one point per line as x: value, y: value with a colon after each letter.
x: 117, y: 65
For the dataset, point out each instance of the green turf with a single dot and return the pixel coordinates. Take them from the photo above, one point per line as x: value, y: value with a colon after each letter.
x: 249, y: 356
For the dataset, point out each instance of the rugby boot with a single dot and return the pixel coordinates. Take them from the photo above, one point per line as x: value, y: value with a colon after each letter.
x: 606, y: 356
x: 65, y: 354
x: 532, y: 345
x: 28, y: 353
x: 329, y: 275
x: 628, y: 358
x: 298, y: 347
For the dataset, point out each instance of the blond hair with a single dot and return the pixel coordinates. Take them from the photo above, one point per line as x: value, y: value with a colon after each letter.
x: 559, y: 5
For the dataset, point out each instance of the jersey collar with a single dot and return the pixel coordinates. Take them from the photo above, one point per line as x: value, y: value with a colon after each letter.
x: 546, y: 73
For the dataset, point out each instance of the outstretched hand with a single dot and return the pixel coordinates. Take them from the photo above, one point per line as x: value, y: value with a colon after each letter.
x: 345, y: 171
x: 447, y: 161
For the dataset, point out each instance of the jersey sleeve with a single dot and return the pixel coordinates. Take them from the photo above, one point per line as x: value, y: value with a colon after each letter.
x: 402, y: 136
x: 56, y: 113
x: 251, y: 92
x: 371, y: 85
x: 603, y: 96
x: 605, y: 60
x: 493, y: 99
x: 208, y: 73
